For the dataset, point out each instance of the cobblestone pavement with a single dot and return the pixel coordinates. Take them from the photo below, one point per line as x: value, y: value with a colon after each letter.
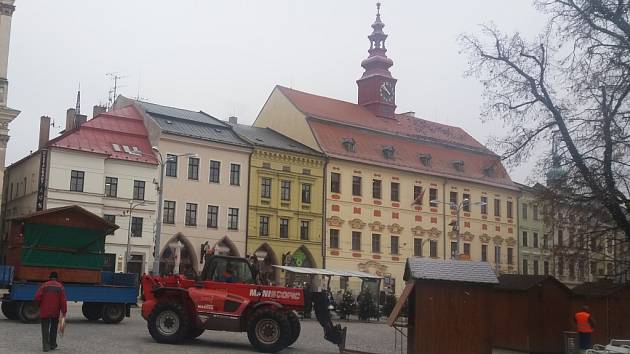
x: 131, y: 336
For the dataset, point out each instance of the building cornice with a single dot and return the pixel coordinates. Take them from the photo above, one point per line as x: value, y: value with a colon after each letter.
x: 6, y: 9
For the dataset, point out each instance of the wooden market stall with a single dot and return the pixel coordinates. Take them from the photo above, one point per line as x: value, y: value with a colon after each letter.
x: 609, y: 305
x: 530, y: 312
x: 449, y: 304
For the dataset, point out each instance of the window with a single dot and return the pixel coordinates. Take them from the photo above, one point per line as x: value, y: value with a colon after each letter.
x: 376, y: 243
x: 536, y: 272
x: 535, y: 211
x: 484, y: 205
x: 193, y: 168
x: 395, y: 245
x: 138, y: 190
x: 417, y: 247
x: 284, y: 228
x: 525, y: 267
x: 560, y: 237
x: 286, y: 168
x: 524, y: 239
x: 432, y: 197
x: 191, y: 214
x: 235, y: 174
x: 395, y: 192
x: 467, y: 248
x: 356, y: 185
x: 376, y: 189
x: 433, y: 245
x: 111, y: 187
x: 497, y: 207
x: 304, y: 232
x: 169, y: 212
x: 417, y: 195
x: 233, y: 219
x: 306, y: 171
x: 454, y: 250
x: 524, y: 210
x: 76, y: 181
x: 264, y: 226
x: 484, y: 253
x: 136, y: 227
x: 213, y: 217
x: 215, y: 171
x: 560, y: 269
x: 535, y: 235
x: 572, y: 270
x: 171, y: 165
x: 335, y: 182
x: 306, y: 193
x: 285, y: 189
x: 546, y: 267
x: 356, y: 241
x: 453, y: 200
x: 545, y: 241
x: 265, y: 187
x: 110, y: 218
x: 509, y: 209
x: 510, y: 256
x: 334, y: 238
x: 466, y: 202
x: 497, y: 254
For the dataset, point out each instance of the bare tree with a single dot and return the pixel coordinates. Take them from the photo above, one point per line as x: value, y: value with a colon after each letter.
x: 572, y: 80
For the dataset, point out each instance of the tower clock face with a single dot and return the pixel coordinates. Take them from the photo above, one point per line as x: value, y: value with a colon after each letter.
x: 387, y: 91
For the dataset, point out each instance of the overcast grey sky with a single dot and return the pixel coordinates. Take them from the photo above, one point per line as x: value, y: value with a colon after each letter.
x: 224, y: 57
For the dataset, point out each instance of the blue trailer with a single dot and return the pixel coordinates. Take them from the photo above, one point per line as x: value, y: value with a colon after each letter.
x: 109, y: 300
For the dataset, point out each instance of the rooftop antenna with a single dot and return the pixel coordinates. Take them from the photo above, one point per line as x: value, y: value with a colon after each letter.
x: 113, y: 92
x: 78, y: 107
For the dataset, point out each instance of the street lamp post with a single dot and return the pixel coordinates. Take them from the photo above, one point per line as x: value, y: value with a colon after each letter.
x: 458, y: 209
x: 158, y: 225
x: 128, y: 253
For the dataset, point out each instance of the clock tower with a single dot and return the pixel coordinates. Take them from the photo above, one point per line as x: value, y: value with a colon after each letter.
x: 377, y: 87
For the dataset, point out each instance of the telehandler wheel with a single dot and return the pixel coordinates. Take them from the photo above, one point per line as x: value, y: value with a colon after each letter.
x: 295, y: 326
x: 268, y: 330
x: 29, y: 312
x: 113, y: 313
x: 10, y: 310
x: 169, y: 323
x: 92, y: 311
x: 194, y: 333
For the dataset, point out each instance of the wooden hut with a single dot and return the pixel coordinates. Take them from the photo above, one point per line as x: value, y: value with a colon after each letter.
x: 609, y: 305
x: 450, y: 308
x: 530, y: 313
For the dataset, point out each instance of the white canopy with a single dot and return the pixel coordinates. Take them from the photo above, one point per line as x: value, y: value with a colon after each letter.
x: 328, y: 272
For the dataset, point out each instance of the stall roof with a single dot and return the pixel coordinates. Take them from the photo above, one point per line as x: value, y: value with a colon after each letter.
x: 449, y: 270
x: 331, y: 272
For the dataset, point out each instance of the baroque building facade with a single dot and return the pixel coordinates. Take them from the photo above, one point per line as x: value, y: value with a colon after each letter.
x: 285, y: 217
x: 395, y: 183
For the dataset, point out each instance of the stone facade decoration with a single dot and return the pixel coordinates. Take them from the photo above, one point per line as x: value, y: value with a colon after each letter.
x: 484, y: 238
x: 334, y: 221
x: 498, y: 240
x: 376, y: 226
x: 357, y: 224
x: 373, y: 267
x: 395, y: 228
x: 510, y: 241
x: 419, y: 231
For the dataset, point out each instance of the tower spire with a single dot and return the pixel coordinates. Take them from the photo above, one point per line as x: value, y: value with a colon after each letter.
x: 376, y: 85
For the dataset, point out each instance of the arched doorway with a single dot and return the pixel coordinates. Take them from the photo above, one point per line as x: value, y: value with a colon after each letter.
x: 265, y: 265
x: 301, y: 257
x: 187, y: 255
x: 228, y: 246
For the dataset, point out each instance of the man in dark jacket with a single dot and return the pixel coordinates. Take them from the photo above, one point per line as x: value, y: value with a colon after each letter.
x: 51, y: 298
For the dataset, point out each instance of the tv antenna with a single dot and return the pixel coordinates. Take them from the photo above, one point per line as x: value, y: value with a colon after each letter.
x: 113, y: 91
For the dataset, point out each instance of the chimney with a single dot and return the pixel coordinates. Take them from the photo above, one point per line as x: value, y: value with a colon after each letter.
x: 98, y: 109
x: 233, y: 120
x: 44, y: 130
x: 81, y: 118
x: 70, y: 115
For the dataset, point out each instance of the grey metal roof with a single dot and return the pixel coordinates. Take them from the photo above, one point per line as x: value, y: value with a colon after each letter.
x: 449, y: 270
x: 192, y: 124
x: 178, y: 113
x: 331, y: 272
x: 270, y: 138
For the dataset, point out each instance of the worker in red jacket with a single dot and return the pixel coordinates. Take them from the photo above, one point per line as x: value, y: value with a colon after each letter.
x: 585, y: 326
x: 51, y: 298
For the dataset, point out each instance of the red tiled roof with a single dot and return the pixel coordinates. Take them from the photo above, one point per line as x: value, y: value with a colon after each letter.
x: 123, y: 127
x: 369, y: 148
x: 354, y: 114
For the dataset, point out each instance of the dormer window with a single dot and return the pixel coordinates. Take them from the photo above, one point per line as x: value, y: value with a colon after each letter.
x: 458, y: 165
x: 388, y: 151
x: 425, y: 159
x: 349, y: 144
x: 488, y: 171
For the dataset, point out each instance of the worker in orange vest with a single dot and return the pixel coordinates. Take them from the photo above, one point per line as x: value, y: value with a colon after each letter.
x: 585, y: 326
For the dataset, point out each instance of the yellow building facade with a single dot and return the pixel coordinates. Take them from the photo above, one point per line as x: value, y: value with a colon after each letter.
x: 285, y: 209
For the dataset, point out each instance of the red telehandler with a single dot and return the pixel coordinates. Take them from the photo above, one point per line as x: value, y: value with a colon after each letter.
x: 227, y: 297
